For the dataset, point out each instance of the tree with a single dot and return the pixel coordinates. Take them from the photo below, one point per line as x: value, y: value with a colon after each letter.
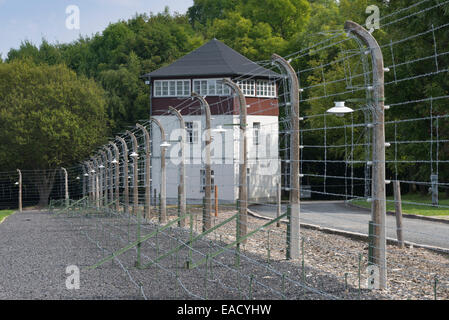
x: 253, y: 40
x: 49, y: 117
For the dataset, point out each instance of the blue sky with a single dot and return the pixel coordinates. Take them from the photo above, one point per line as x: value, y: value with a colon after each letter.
x: 33, y: 20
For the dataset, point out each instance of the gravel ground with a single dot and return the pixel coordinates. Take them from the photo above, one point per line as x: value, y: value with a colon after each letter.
x: 35, y: 252
x: 37, y: 247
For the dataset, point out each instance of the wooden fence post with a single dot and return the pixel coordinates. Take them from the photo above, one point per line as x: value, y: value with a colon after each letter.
x: 398, y: 209
x: 216, y: 201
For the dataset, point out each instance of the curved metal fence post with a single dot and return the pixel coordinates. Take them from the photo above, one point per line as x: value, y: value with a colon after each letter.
x: 135, y: 145
x: 117, y: 176
x: 96, y: 183
x: 182, y: 170
x: 378, y: 209
x: 109, y: 174
x: 163, y: 192
x: 66, y: 187
x: 243, y: 187
x: 84, y: 180
x: 147, y: 171
x: 20, y: 190
x: 207, y: 217
x: 294, y: 223
x: 104, y: 178
x: 125, y: 173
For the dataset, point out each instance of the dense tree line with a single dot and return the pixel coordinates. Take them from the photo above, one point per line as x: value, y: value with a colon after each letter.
x: 111, y: 62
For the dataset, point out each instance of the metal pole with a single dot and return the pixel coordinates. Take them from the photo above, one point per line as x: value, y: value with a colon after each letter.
x: 207, y: 221
x: 378, y: 210
x: 182, y: 169
x: 279, y: 203
x: 104, y: 178
x: 398, y: 209
x: 125, y: 170
x: 96, y: 183
x: 84, y: 180
x: 99, y: 181
x: 147, y: 170
x: 163, y: 193
x: 136, y: 173
x: 294, y: 217
x: 66, y: 186
x: 109, y: 174
x: 136, y: 210
x: 117, y: 176
x: 90, y: 188
x: 20, y: 190
x: 243, y: 191
x: 216, y: 200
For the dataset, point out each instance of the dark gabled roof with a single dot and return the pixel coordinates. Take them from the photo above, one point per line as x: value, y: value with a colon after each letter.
x: 212, y: 59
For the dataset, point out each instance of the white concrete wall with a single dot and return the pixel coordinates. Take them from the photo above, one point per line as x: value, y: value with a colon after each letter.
x: 263, y: 159
x: 264, y: 173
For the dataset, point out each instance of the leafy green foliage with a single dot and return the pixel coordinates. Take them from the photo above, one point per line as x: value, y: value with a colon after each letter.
x: 125, y: 50
x: 48, y: 116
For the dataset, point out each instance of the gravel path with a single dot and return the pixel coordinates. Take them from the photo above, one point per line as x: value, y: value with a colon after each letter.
x: 35, y: 252
x: 37, y: 247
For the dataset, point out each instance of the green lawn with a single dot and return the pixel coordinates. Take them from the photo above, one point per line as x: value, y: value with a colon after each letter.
x: 5, y: 213
x: 418, y: 209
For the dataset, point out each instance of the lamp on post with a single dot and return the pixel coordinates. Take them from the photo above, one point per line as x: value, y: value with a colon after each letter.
x: 340, y: 110
x: 147, y: 141
x: 135, y: 156
x: 182, y: 170
x: 116, y: 163
x: 163, y: 190
x: 125, y: 172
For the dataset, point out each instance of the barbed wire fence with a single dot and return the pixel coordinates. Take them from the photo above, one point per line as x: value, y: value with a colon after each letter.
x: 198, y: 250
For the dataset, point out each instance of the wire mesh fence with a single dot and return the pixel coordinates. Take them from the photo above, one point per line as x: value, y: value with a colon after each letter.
x: 134, y: 197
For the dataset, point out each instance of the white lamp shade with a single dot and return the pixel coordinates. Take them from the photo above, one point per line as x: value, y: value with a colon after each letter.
x: 134, y: 155
x: 340, y: 109
x: 165, y: 144
x: 219, y: 129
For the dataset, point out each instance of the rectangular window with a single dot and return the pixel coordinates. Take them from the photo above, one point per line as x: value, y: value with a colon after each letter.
x: 203, y: 90
x: 211, y: 87
x: 192, y: 132
x: 171, y: 88
x: 180, y: 87
x: 256, y: 133
x: 247, y: 87
x: 165, y: 88
x: 186, y: 92
x: 203, y: 180
x: 157, y: 88
x: 266, y: 89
